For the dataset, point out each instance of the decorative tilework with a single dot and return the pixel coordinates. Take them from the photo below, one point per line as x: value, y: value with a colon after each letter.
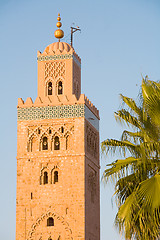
x: 55, y: 57
x: 51, y: 112
x: 58, y: 57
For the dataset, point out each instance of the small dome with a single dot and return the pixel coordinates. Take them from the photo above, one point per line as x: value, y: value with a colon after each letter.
x: 57, y: 46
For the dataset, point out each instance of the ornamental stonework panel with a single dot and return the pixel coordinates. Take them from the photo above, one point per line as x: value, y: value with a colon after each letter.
x: 92, y: 183
x: 92, y: 141
x: 54, y: 69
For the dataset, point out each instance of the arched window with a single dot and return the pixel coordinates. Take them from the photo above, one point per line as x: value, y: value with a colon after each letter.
x: 60, y: 88
x: 45, y: 180
x: 50, y: 88
x: 56, y: 143
x: 50, y: 222
x: 45, y: 143
x: 55, y: 176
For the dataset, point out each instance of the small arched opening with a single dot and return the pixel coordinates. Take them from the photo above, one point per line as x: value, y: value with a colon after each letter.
x: 55, y: 177
x: 60, y: 88
x: 45, y: 143
x: 50, y: 222
x: 49, y: 90
x: 45, y: 178
x: 56, y: 143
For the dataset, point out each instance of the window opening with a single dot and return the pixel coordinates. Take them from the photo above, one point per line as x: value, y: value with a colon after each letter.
x: 56, y: 143
x: 50, y: 222
x: 45, y: 177
x: 39, y: 131
x: 60, y: 88
x: 62, y: 129
x: 50, y: 88
x: 45, y: 143
x: 31, y: 195
x: 55, y: 176
x: 50, y: 131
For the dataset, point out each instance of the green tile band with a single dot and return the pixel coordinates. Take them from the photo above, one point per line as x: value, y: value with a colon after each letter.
x: 58, y: 57
x: 51, y: 112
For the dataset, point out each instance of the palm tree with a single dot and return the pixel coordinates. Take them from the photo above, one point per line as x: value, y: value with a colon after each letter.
x: 137, y: 175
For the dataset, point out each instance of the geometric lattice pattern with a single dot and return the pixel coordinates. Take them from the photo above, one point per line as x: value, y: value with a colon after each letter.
x: 54, y: 69
x: 51, y: 112
x: 58, y: 57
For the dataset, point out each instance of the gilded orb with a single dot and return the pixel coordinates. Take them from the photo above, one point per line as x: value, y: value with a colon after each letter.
x: 59, y: 33
x: 59, y: 18
x: 59, y: 24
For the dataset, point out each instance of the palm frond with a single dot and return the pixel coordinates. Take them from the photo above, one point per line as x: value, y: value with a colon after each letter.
x: 112, y: 145
x: 119, y: 167
x: 131, y: 104
x: 148, y: 193
x: 137, y: 178
x: 124, y: 116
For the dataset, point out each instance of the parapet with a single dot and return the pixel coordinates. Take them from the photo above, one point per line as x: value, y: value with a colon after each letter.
x: 92, y: 107
x: 58, y: 100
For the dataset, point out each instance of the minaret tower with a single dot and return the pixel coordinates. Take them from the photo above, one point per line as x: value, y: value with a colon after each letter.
x: 58, y: 153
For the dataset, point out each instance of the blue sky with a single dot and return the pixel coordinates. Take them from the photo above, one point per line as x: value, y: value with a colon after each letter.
x: 119, y: 41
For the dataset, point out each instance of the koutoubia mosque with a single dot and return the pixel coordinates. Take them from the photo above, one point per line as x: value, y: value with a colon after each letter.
x: 58, y: 196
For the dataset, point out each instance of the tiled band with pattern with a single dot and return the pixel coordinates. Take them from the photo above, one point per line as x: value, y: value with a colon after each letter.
x: 51, y: 112
x: 58, y: 57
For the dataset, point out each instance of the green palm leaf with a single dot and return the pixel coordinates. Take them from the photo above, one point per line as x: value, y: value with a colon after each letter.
x: 148, y: 193
x: 119, y: 167
x: 137, y: 178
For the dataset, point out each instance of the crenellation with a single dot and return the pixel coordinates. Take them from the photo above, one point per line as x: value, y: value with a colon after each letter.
x: 38, y: 102
x: 39, y: 53
x: 20, y: 102
x: 92, y: 107
x: 58, y: 101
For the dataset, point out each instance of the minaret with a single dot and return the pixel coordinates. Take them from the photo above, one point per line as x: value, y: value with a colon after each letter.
x: 58, y: 153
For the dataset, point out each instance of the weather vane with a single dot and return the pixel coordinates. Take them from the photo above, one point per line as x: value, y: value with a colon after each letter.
x: 73, y: 30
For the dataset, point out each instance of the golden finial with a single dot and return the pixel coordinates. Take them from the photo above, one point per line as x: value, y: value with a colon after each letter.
x: 59, y: 33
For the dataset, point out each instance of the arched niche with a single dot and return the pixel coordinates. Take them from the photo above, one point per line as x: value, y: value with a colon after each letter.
x: 60, y: 230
